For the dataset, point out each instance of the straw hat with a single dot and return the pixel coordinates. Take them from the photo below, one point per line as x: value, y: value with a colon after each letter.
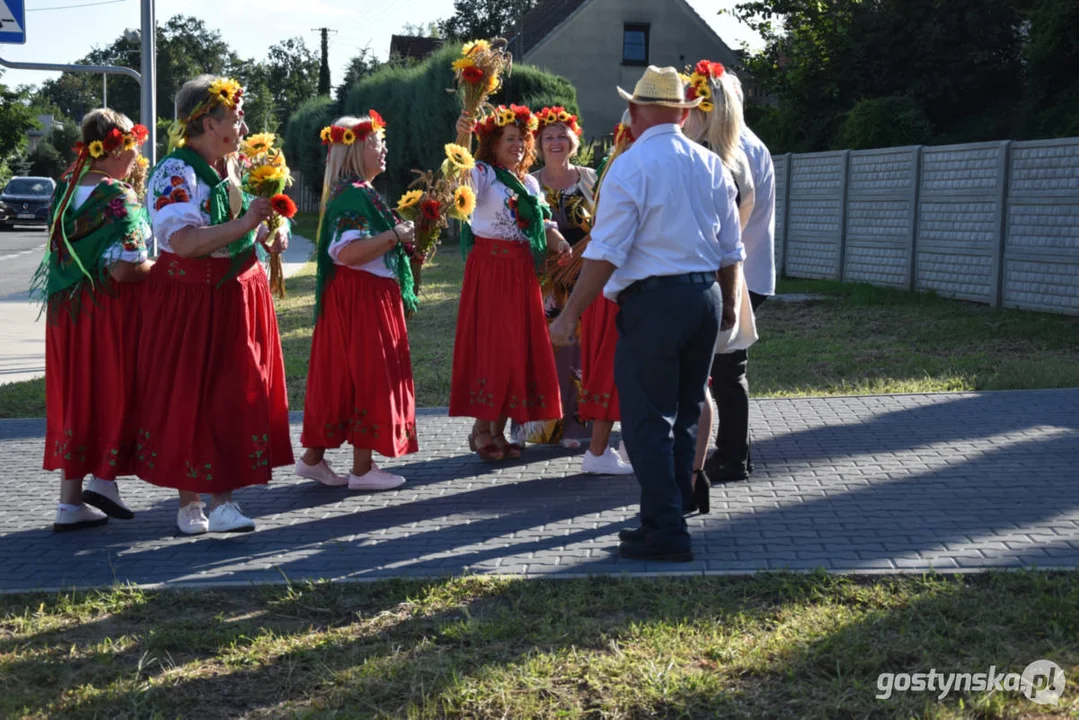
x: 660, y: 86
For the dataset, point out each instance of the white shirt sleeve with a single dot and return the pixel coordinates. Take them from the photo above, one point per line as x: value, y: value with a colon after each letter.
x: 617, y: 220
x: 482, y: 177
x: 730, y: 229
x: 342, y: 240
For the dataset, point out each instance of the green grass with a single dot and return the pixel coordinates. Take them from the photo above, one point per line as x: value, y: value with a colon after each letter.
x: 855, y: 340
x: 770, y: 646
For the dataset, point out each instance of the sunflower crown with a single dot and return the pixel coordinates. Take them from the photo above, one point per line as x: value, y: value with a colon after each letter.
x: 699, y: 83
x: 223, y: 91
x: 115, y: 141
x: 504, y: 116
x: 342, y: 135
x: 558, y: 115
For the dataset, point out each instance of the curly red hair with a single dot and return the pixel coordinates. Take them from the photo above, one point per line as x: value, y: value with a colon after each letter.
x: 488, y: 141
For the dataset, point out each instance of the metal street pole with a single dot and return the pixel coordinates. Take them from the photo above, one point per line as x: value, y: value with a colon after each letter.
x: 104, y: 90
x: 148, y: 110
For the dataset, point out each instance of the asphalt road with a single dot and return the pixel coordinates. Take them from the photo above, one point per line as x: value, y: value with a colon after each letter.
x: 21, y: 250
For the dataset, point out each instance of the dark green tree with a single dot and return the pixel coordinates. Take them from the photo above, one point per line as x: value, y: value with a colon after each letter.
x: 474, y: 19
x: 16, y: 117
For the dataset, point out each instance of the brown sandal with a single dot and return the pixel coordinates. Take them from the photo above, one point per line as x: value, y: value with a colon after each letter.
x: 488, y: 453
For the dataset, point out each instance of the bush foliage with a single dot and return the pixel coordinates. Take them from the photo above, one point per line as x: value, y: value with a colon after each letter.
x: 420, y: 114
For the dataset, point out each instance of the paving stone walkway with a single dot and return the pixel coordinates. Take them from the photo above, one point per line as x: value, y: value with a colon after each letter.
x: 905, y: 483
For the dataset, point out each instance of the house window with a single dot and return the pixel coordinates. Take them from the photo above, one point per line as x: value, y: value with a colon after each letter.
x: 635, y: 44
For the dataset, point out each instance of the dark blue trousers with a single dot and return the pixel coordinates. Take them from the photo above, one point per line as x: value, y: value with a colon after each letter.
x: 666, y: 339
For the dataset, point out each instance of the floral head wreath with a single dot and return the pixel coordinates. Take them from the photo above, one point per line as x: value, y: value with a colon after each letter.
x: 558, y: 115
x: 700, y: 83
x: 623, y: 133
x: 504, y: 116
x: 223, y: 91
x: 115, y: 141
x: 342, y: 135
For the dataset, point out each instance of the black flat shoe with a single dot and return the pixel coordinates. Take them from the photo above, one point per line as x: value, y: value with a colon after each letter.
x: 636, y: 535
x: 645, y: 551
x: 701, y: 490
x: 724, y: 472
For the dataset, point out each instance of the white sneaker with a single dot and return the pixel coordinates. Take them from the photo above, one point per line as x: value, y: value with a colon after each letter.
x: 609, y: 463
x: 322, y: 472
x: 191, y: 520
x: 227, y: 518
x: 105, y: 496
x: 375, y: 479
x: 77, y: 517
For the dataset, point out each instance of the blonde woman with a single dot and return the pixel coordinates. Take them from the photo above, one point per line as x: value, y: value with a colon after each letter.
x: 717, y: 123
x: 213, y: 415
x: 91, y: 279
x: 359, y: 387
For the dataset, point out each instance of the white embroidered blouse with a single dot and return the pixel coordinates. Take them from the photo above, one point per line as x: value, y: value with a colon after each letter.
x: 493, y: 217
x: 125, y: 250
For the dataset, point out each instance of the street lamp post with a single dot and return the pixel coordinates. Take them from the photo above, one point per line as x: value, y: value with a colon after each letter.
x: 148, y: 111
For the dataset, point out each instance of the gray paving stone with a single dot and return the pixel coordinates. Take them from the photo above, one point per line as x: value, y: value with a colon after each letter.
x: 903, y: 483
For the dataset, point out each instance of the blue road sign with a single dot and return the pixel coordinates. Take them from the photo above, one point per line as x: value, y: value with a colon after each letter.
x: 12, y: 22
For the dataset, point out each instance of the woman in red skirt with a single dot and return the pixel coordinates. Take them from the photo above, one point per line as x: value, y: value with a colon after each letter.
x: 213, y: 411
x: 503, y: 362
x: 96, y: 257
x: 359, y: 383
x: 599, y: 337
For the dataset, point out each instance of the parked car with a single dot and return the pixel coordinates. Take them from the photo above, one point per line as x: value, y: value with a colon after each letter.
x: 25, y: 201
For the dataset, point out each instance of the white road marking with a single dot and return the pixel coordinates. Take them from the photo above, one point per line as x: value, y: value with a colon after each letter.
x: 20, y: 254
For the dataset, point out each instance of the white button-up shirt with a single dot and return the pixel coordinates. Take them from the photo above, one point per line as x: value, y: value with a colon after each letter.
x: 759, y: 234
x: 667, y: 207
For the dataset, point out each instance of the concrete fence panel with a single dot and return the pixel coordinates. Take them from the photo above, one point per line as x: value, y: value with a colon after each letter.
x: 960, y: 211
x: 814, y: 218
x: 882, y: 206
x: 1041, y: 252
x: 782, y: 164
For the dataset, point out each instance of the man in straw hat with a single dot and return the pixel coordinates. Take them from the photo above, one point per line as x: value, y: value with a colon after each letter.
x: 666, y: 228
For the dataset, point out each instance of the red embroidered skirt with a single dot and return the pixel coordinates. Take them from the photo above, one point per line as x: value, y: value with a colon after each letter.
x: 90, y: 381
x: 599, y: 338
x: 503, y: 363
x: 213, y: 411
x: 359, y: 381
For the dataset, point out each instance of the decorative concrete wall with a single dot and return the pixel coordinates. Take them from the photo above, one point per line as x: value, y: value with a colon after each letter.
x: 996, y: 222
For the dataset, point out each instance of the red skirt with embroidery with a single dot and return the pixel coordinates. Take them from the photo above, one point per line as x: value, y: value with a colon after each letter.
x: 599, y: 338
x: 503, y: 362
x: 213, y: 410
x: 90, y: 345
x: 359, y: 380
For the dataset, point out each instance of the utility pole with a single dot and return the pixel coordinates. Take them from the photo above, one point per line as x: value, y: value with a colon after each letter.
x: 324, y: 68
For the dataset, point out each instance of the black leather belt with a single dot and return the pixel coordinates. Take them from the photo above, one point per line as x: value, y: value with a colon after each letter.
x: 660, y: 281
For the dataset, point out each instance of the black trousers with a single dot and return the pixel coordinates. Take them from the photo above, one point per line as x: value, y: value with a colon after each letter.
x: 666, y: 337
x: 730, y: 388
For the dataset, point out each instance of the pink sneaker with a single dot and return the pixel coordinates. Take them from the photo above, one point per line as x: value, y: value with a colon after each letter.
x: 322, y: 473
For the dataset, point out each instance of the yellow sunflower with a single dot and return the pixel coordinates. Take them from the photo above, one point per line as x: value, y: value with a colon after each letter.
x: 348, y: 137
x: 465, y: 62
x: 143, y: 161
x: 564, y: 117
x: 258, y: 144
x: 325, y: 135
x: 225, y: 91
x: 464, y: 202
x: 460, y: 158
x: 704, y: 91
x: 551, y: 117
x: 96, y: 149
x: 506, y: 117
x: 476, y: 46
x: 686, y: 79
x: 266, y: 173
x: 492, y: 84
x: 533, y: 123
x: 409, y: 199
x: 706, y: 106
x: 129, y: 142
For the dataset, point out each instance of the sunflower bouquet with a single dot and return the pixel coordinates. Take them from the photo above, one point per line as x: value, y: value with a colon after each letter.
x: 479, y: 73
x: 433, y: 198
x: 266, y: 176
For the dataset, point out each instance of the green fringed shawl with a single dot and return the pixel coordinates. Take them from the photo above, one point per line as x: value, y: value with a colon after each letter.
x: 220, y: 208
x: 532, y: 210
x: 72, y: 262
x: 355, y: 199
